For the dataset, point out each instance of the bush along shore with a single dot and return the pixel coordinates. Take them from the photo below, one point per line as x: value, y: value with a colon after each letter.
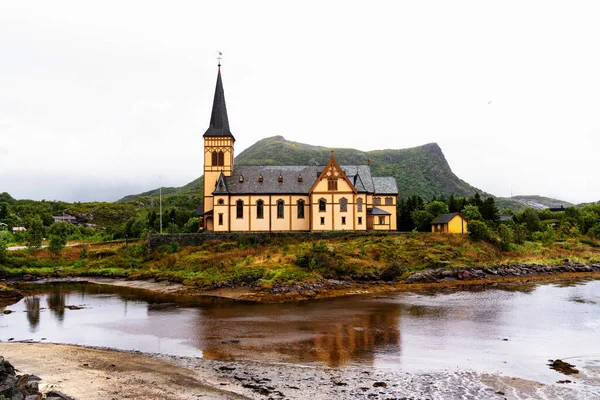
x: 288, y: 268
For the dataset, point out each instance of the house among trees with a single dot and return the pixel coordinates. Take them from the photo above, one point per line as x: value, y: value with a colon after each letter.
x: 288, y: 198
x: 449, y: 223
x: 65, y: 218
x: 508, y: 217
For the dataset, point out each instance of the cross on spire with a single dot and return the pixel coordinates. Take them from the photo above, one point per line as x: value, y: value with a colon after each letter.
x: 219, y: 57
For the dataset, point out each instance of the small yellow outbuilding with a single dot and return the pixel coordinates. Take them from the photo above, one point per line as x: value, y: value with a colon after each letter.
x: 449, y: 223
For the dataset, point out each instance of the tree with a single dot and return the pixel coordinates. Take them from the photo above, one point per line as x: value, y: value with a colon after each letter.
x: 62, y: 229
x: 422, y: 220
x: 475, y: 200
x: 471, y: 213
x: 5, y: 239
x: 3, y: 210
x: 192, y: 226
x: 489, y: 211
x: 520, y: 233
x: 57, y: 244
x: 506, y: 236
x: 35, y: 231
x: 436, y: 208
x: 453, y: 204
x: 530, y: 218
x: 59, y: 233
x: 404, y: 211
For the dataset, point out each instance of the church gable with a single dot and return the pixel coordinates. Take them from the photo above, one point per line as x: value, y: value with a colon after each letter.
x: 332, y: 179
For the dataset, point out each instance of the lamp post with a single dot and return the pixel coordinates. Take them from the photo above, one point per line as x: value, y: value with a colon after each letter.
x: 160, y: 203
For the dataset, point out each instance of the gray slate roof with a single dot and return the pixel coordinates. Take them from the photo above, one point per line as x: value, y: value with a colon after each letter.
x: 444, y: 218
x: 385, y: 185
x: 377, y: 211
x: 359, y: 176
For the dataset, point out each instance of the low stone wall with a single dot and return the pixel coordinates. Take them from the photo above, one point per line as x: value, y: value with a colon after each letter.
x: 197, y: 239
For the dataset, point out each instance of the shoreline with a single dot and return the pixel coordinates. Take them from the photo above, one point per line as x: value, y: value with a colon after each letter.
x: 99, y: 373
x: 425, y: 281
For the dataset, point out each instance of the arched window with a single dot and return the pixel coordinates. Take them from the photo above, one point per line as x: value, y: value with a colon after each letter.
x: 300, y: 208
x: 239, y: 207
x: 280, y: 208
x: 221, y: 159
x: 343, y: 205
x: 377, y: 201
x: 322, y: 205
x: 260, y: 213
x: 389, y: 201
x: 215, y: 160
x: 359, y: 204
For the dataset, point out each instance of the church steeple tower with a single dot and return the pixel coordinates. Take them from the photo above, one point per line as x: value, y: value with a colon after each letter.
x: 219, y: 123
x: 218, y: 150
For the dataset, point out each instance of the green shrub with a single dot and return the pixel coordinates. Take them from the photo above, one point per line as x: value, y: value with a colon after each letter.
x: 478, y: 231
x: 392, y: 272
x: 520, y: 233
x: 506, y: 236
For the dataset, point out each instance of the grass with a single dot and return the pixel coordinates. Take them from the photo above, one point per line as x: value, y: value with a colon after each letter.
x: 284, y: 261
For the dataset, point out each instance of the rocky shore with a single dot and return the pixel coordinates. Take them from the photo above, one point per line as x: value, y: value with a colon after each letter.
x: 499, y: 271
x: 23, y: 387
x: 94, y: 374
x: 329, y: 288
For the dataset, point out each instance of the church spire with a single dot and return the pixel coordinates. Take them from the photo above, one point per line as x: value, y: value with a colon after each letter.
x: 219, y: 124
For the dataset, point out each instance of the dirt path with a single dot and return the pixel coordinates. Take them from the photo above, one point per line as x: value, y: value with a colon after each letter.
x: 92, y: 374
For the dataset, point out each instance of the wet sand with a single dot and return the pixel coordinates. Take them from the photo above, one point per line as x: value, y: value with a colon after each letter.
x: 91, y: 373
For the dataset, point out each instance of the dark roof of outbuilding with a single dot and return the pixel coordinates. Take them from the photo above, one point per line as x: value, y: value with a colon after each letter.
x: 444, y: 218
x: 377, y: 211
x: 506, y: 217
x: 359, y: 176
x: 385, y: 185
x: 219, y: 123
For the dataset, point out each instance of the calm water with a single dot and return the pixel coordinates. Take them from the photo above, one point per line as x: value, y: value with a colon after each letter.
x: 406, y: 331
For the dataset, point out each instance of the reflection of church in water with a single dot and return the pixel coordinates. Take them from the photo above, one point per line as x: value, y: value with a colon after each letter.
x: 352, y: 335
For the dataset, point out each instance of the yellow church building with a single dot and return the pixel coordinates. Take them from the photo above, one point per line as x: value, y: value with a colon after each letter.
x: 332, y: 197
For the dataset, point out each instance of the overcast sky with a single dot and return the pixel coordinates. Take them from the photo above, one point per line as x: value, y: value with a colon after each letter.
x: 103, y: 99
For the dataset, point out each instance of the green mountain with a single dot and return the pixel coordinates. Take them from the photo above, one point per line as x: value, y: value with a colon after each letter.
x: 421, y: 170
